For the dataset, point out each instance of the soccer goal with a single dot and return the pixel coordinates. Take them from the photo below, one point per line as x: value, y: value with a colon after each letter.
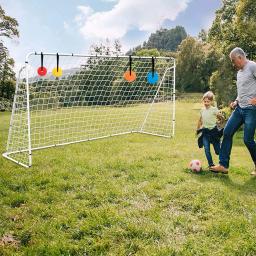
x: 62, y: 99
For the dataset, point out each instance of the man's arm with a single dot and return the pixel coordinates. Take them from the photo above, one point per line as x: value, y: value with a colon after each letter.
x: 253, y: 101
x: 253, y: 69
x: 234, y: 103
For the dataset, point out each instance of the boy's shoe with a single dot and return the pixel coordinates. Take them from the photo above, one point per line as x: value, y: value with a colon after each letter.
x: 210, y: 166
x: 219, y: 169
x: 253, y: 173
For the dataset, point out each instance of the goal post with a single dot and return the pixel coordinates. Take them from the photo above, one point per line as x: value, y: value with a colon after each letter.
x: 68, y: 98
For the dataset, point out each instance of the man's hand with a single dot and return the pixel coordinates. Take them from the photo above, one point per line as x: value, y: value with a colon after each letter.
x: 233, y: 104
x: 253, y: 101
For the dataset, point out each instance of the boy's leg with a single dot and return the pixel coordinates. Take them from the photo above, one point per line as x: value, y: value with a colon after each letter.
x: 207, y: 150
x: 216, y: 146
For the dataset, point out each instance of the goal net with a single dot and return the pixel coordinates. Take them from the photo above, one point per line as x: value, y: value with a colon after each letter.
x: 66, y: 98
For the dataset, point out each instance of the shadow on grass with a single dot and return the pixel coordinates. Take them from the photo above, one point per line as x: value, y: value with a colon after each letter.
x: 249, y: 186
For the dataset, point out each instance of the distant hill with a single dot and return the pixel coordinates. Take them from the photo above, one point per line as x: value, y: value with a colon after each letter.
x: 163, y: 39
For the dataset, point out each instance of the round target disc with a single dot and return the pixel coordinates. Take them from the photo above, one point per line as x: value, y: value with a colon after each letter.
x: 152, y: 77
x: 41, y: 71
x: 129, y: 76
x: 56, y: 72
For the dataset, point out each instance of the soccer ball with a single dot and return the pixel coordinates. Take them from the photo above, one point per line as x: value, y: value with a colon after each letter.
x: 195, y: 166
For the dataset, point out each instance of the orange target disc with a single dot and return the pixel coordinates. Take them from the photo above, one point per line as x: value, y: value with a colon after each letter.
x: 129, y: 76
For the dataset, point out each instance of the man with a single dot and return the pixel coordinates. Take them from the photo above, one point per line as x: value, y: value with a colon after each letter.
x: 244, y: 111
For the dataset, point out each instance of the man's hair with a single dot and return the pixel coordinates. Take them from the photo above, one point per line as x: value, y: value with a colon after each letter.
x: 237, y: 52
x: 208, y: 95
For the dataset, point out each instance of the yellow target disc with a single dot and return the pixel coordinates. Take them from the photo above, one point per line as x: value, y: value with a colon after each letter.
x: 56, y: 72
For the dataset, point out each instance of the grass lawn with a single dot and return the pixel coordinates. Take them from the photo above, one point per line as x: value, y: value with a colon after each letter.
x: 127, y: 195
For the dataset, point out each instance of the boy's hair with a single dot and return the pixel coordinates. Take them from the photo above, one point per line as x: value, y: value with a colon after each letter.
x: 208, y: 95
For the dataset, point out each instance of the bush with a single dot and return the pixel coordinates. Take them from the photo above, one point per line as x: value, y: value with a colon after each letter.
x: 5, y: 104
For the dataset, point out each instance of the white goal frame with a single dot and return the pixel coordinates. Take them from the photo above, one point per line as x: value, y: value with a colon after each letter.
x: 22, y: 129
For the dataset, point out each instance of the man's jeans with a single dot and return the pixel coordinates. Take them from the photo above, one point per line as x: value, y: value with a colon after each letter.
x: 216, y: 146
x: 246, y: 116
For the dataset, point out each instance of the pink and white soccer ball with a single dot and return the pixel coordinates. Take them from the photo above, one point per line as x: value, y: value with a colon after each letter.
x: 195, y: 165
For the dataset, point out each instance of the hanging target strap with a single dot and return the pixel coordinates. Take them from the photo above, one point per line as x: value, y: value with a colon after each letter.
x: 42, y: 61
x: 57, y: 62
x: 153, y: 66
x: 130, y: 63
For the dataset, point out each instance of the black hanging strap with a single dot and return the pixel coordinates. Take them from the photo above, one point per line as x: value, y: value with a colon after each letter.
x: 57, y: 62
x: 42, y: 61
x: 130, y: 63
x: 153, y: 66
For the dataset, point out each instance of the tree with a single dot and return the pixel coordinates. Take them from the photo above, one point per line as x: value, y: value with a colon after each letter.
x: 8, y: 29
x: 222, y: 82
x: 223, y: 34
x: 190, y: 59
x: 167, y: 39
x: 245, y: 24
x: 234, y: 25
x: 147, y: 52
x: 203, y: 35
x: 105, y: 48
x: 162, y: 40
x: 8, y: 25
x: 7, y: 75
x: 210, y: 64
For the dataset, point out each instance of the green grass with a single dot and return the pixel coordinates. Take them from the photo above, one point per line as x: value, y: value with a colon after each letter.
x: 128, y: 195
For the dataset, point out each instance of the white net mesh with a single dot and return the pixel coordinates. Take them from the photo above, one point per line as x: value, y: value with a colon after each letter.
x: 90, y: 100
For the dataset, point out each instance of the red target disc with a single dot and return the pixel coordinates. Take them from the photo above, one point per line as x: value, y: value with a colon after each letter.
x: 41, y: 71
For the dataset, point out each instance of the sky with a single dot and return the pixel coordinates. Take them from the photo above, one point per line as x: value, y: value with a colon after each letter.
x: 72, y: 26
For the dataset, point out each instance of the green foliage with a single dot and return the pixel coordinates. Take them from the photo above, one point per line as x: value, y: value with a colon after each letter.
x: 245, y: 23
x: 167, y: 39
x: 8, y: 25
x: 8, y: 28
x: 5, y: 104
x: 223, y: 33
x: 7, y: 89
x: 195, y: 63
x: 226, y: 111
x: 222, y: 82
x: 162, y: 40
x: 148, y: 52
x: 106, y: 48
x: 7, y: 76
x: 203, y: 35
x: 234, y: 25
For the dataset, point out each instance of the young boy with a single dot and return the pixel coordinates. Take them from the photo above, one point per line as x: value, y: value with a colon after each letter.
x: 210, y: 134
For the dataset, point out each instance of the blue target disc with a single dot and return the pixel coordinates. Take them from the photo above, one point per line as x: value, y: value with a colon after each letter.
x: 152, y: 77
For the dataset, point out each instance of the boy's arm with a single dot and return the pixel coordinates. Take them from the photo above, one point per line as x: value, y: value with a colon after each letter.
x: 220, y: 119
x: 199, y: 124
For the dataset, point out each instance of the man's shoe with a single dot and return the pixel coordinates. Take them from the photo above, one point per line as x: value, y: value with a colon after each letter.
x: 219, y: 169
